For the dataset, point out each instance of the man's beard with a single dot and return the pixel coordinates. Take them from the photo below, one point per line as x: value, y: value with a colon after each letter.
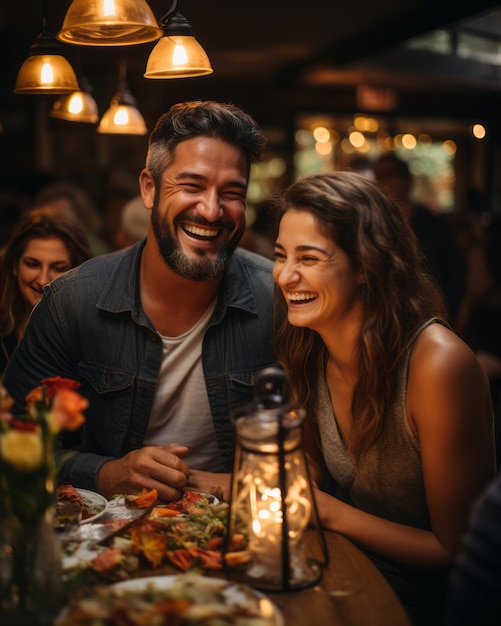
x: 198, y: 267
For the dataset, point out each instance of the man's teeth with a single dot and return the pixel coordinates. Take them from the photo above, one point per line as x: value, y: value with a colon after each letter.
x: 201, y: 232
x: 300, y: 297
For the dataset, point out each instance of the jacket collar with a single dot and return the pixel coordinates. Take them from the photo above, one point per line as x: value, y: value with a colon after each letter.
x: 121, y: 293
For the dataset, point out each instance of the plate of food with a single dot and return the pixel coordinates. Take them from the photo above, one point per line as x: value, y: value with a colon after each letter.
x: 185, y: 599
x: 90, y: 504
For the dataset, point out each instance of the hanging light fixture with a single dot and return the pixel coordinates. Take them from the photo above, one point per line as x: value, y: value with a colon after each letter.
x: 45, y: 70
x: 78, y: 106
x: 177, y: 54
x: 122, y: 118
x: 109, y: 23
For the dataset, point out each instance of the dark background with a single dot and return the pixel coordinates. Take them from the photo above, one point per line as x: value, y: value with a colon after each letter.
x: 276, y: 59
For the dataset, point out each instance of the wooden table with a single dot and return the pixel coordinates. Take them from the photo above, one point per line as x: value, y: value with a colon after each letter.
x: 368, y: 601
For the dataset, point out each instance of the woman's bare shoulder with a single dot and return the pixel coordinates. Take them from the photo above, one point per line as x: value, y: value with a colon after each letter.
x: 445, y: 371
x: 438, y: 349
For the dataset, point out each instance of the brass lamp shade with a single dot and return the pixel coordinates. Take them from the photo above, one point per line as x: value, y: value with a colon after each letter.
x: 46, y: 74
x: 109, y: 23
x: 177, y: 56
x: 45, y: 70
x: 122, y: 118
x: 78, y: 106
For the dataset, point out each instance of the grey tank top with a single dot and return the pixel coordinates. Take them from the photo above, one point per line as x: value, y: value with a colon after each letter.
x: 389, y: 480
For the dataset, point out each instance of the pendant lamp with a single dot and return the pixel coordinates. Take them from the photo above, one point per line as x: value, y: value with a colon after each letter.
x: 177, y: 54
x: 122, y: 117
x: 109, y: 23
x: 45, y: 70
x: 78, y: 106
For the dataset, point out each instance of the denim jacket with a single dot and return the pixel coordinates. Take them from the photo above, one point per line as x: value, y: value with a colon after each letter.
x: 90, y: 326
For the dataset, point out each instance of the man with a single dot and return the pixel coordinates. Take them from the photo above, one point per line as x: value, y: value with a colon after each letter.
x: 441, y: 251
x: 166, y: 336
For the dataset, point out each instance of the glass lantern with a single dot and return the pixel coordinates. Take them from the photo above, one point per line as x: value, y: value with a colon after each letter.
x: 272, y: 500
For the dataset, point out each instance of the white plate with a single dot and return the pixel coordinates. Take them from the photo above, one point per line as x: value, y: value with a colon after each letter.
x: 233, y: 593
x: 91, y: 499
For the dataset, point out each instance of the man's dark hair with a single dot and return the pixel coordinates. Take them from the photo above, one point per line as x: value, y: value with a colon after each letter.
x: 202, y: 119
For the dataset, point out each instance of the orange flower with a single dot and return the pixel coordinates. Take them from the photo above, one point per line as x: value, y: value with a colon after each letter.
x: 55, y: 383
x: 67, y: 407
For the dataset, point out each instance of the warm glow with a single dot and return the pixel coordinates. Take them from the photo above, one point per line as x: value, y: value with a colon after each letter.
x: 76, y: 104
x: 360, y: 122
x: 368, y: 124
x: 109, y: 8
x: 449, y: 147
x: 424, y: 138
x: 109, y: 23
x: 365, y: 147
x: 478, y: 131
x: 122, y: 120
x: 357, y: 139
x: 323, y: 149
x: 46, y: 74
x: 177, y: 56
x: 180, y: 56
x: 121, y: 116
x: 409, y: 141
x: 321, y: 134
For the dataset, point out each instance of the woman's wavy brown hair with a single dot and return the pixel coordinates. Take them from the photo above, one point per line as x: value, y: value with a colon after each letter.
x: 397, y: 296
x: 40, y: 223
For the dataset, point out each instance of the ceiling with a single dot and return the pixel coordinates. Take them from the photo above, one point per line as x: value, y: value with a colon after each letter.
x: 277, y: 55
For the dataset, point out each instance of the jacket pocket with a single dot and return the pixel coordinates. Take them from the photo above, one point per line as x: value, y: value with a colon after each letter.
x: 104, y: 380
x: 111, y: 394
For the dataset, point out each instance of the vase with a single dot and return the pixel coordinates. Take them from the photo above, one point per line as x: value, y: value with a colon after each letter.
x: 31, y: 581
x: 31, y: 571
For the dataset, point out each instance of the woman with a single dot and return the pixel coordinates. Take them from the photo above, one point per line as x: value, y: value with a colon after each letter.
x: 400, y: 415
x: 45, y: 244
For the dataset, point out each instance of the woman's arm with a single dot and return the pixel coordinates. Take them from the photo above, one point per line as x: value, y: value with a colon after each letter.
x: 449, y: 409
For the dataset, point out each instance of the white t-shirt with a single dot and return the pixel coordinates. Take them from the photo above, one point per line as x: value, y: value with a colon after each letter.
x: 181, y: 412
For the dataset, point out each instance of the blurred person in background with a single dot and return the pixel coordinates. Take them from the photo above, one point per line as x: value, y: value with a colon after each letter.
x: 482, y: 326
x: 134, y: 223
x: 45, y: 244
x: 444, y: 257
x: 70, y: 196
x: 259, y: 235
x: 475, y: 590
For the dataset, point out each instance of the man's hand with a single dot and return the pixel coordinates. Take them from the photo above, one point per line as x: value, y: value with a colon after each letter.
x: 152, y: 467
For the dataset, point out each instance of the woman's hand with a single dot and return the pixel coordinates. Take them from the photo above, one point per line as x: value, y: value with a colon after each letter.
x: 218, y: 485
